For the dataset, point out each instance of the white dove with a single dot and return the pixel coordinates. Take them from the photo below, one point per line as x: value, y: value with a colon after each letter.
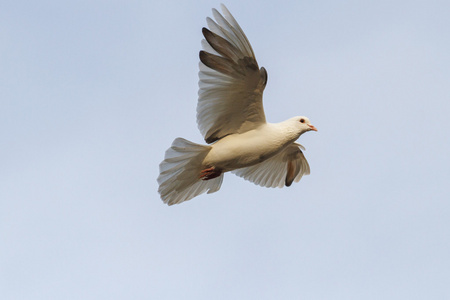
x: 230, y: 116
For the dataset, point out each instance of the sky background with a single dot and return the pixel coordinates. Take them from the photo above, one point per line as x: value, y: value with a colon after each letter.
x: 92, y: 93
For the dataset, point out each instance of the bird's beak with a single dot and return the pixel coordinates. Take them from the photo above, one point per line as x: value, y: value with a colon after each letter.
x: 312, y: 127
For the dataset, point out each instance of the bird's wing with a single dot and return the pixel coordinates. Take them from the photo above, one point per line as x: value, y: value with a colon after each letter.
x: 231, y: 83
x: 282, y: 169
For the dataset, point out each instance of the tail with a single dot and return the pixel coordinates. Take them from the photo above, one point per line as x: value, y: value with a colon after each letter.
x: 180, y: 170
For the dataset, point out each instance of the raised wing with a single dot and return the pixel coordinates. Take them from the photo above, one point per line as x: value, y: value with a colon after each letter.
x: 282, y: 169
x: 231, y: 83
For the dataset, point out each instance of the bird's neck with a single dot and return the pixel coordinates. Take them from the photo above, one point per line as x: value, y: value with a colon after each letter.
x: 287, y: 133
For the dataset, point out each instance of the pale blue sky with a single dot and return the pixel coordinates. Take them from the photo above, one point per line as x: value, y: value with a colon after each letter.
x: 93, y: 92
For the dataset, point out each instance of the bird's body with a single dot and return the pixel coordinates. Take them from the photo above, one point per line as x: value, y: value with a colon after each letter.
x: 246, y: 149
x: 231, y: 117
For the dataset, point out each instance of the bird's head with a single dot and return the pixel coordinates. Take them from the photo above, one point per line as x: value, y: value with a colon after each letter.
x: 297, y: 126
x: 303, y: 124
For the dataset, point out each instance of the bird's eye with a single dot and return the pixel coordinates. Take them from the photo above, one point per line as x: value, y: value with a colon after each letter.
x: 302, y: 120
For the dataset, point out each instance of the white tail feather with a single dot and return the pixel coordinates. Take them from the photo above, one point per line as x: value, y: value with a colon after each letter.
x: 179, y: 173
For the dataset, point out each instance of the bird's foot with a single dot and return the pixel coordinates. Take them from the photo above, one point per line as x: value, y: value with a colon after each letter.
x: 210, y: 173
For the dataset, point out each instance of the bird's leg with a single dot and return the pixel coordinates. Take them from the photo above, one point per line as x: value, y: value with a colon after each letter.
x: 210, y: 173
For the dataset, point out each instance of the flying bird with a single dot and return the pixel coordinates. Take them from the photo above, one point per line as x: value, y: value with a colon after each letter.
x: 231, y: 118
